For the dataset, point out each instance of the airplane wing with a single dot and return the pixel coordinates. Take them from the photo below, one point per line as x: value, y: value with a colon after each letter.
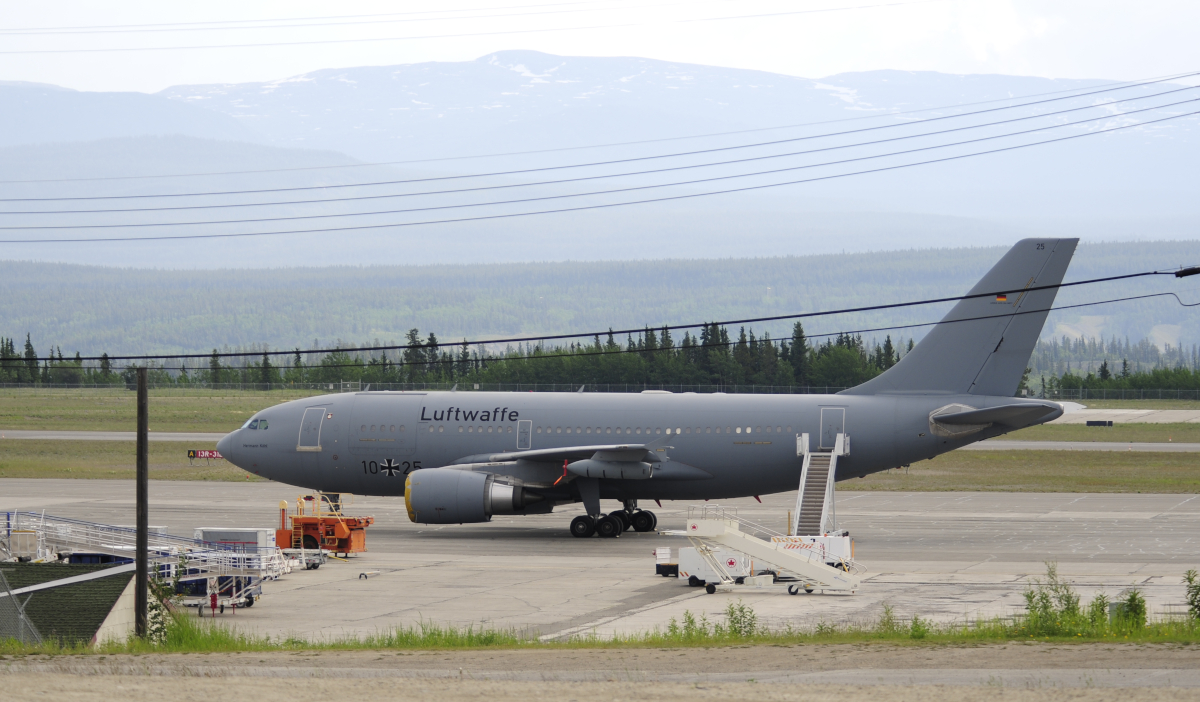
x: 635, y: 453
x: 523, y: 462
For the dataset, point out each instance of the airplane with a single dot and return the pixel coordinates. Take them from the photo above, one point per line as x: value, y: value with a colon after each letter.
x: 463, y: 457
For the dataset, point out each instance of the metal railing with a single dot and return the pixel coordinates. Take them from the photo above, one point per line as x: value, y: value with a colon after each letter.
x: 196, y: 559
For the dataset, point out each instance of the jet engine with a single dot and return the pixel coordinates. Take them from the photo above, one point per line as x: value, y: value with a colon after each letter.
x: 447, y: 496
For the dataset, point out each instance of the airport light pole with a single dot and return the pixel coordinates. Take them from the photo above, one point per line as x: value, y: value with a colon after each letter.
x: 142, y: 584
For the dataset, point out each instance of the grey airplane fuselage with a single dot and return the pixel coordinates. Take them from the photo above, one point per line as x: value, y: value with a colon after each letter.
x: 368, y: 442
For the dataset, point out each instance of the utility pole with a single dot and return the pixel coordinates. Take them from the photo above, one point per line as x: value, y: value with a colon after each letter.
x: 142, y: 584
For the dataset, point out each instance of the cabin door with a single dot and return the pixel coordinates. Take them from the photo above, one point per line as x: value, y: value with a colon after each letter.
x: 833, y: 422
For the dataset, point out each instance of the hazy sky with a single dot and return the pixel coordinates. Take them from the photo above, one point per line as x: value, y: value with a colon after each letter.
x: 812, y: 38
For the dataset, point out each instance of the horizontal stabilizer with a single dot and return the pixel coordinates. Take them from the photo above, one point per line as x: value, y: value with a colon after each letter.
x: 1009, y: 415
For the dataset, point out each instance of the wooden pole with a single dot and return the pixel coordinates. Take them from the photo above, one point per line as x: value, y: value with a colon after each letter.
x: 142, y: 585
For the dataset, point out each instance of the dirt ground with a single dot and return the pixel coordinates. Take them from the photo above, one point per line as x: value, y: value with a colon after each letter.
x: 66, y: 688
x: 571, y: 674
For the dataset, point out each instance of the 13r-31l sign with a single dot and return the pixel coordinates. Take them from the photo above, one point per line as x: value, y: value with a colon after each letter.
x: 206, y: 454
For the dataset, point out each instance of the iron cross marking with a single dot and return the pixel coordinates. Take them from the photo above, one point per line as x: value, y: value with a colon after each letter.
x: 390, y: 468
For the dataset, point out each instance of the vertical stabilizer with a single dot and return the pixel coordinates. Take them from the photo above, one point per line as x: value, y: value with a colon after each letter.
x: 987, y: 354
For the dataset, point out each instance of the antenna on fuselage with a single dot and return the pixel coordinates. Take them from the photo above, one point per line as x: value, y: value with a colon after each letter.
x: 581, y: 387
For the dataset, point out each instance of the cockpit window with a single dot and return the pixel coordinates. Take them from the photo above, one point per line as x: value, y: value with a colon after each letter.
x: 262, y: 424
x: 253, y: 424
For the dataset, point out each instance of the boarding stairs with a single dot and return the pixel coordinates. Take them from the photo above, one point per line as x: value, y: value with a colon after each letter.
x: 816, y: 513
x: 807, y: 563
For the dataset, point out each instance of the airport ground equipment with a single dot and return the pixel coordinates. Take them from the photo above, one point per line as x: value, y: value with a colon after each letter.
x: 803, y: 563
x: 236, y: 572
x: 816, y: 511
x: 319, y: 524
x: 664, y: 565
x: 697, y: 568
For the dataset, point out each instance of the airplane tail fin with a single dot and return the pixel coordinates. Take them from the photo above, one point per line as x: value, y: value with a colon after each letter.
x: 987, y: 353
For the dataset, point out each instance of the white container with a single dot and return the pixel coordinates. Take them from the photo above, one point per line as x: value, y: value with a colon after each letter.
x: 736, y: 564
x: 237, y: 537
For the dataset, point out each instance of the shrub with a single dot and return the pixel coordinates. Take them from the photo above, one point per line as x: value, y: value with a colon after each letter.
x: 1192, y: 583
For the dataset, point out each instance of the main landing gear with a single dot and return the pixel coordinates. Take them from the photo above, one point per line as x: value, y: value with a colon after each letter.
x: 613, y: 524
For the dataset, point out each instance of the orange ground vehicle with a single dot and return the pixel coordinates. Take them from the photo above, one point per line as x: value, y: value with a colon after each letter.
x: 318, y: 522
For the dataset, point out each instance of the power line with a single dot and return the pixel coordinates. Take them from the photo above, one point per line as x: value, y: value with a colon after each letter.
x: 699, y: 347
x: 624, y: 25
x: 593, y: 193
x: 325, y: 22
x: 581, y: 208
x: 895, y: 113
x: 561, y: 181
x: 694, y: 152
x: 1181, y: 272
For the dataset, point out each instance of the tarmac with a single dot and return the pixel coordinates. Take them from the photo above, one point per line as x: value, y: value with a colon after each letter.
x: 941, y: 556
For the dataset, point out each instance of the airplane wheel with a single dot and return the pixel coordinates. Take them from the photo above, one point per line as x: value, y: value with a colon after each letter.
x: 609, y: 527
x: 623, y: 517
x: 583, y: 526
x: 710, y: 588
x: 643, y: 521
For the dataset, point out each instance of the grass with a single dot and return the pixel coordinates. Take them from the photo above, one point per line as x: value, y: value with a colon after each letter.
x: 113, y: 460
x: 200, y: 410
x: 989, y: 471
x: 1054, y: 613
x: 115, y: 409
x: 1140, y: 404
x: 1042, y: 471
x: 1133, y: 433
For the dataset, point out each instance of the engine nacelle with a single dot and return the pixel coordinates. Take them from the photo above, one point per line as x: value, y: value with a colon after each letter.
x: 447, y: 496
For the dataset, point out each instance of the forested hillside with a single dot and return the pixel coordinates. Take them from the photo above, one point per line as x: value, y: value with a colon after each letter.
x: 98, y: 309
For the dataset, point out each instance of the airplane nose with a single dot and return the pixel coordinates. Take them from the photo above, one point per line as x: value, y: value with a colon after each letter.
x: 225, y: 446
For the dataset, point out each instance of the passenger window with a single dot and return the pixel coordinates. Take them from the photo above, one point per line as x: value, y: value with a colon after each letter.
x: 568, y: 430
x: 578, y: 430
x: 739, y: 430
x: 748, y: 430
x: 637, y: 431
x: 777, y: 429
x: 558, y: 430
x: 372, y: 427
x: 431, y: 428
x: 608, y: 430
x: 759, y: 429
x: 718, y: 431
x: 657, y: 431
x: 441, y: 429
x: 363, y: 428
x: 460, y: 430
x: 539, y: 430
x: 668, y: 431
x: 392, y: 428
x: 471, y: 429
x: 401, y: 427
